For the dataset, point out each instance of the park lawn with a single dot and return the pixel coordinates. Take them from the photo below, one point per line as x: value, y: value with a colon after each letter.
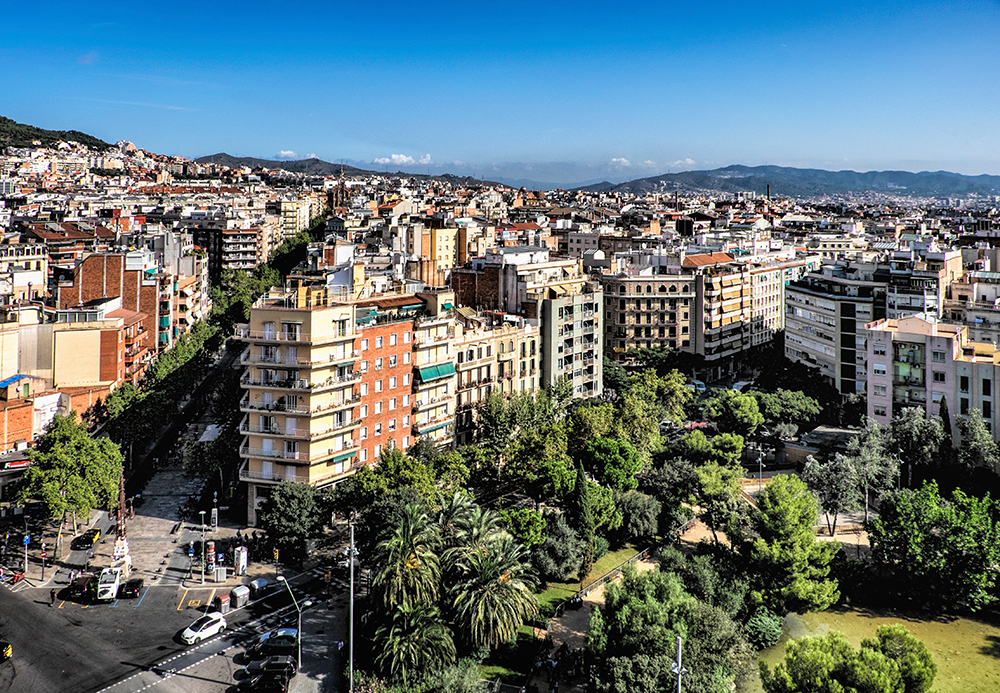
x: 557, y: 592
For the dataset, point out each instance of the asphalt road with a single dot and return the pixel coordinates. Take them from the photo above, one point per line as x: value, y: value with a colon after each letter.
x: 70, y: 647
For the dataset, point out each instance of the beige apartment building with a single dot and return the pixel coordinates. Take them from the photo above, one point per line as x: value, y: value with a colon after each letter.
x: 301, y: 396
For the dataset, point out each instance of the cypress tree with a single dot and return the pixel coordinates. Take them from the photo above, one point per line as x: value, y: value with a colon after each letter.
x: 583, y: 518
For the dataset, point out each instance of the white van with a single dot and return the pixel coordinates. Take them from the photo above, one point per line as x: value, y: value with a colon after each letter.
x: 697, y: 386
x: 108, y: 584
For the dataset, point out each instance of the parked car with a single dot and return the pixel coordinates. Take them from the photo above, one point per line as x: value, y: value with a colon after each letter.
x: 6, y: 650
x: 131, y: 588
x: 275, y: 665
x: 84, y: 586
x: 86, y: 540
x: 280, y: 641
x: 205, y: 627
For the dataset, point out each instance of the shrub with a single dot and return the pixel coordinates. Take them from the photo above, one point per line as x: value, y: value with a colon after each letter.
x: 600, y: 547
x: 763, y: 629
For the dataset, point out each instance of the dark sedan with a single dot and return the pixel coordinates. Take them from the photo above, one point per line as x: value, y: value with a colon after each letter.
x: 131, y: 588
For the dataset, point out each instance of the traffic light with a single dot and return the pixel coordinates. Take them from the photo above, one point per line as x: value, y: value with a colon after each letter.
x: 276, y: 554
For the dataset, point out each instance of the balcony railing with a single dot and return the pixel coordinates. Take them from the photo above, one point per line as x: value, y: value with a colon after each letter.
x: 300, y: 384
x: 275, y: 431
x: 276, y: 336
x: 273, y: 406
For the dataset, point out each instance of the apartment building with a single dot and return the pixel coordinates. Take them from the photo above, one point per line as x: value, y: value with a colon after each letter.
x: 24, y: 272
x: 240, y: 249
x: 302, y: 392
x: 435, y: 378
x: 917, y: 280
x: 917, y: 361
x: 494, y: 351
x: 826, y: 314
x: 570, y: 320
x: 385, y: 352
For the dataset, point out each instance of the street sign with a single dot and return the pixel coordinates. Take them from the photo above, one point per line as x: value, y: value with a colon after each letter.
x: 190, y: 551
x: 27, y: 539
x: 43, y: 554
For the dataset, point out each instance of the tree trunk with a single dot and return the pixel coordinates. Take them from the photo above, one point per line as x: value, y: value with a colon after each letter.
x: 828, y: 527
x: 62, y: 522
x: 833, y: 531
x: 75, y: 529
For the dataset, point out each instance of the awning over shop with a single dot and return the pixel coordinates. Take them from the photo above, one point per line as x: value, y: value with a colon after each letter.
x: 434, y: 427
x: 344, y: 456
x: 448, y: 305
x: 429, y: 373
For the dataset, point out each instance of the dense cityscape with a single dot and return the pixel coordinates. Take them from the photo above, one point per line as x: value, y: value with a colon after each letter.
x: 386, y: 432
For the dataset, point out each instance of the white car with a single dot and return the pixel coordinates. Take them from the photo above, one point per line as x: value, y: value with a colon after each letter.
x: 205, y: 627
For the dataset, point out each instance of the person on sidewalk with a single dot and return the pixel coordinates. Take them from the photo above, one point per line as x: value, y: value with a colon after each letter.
x: 52, y: 598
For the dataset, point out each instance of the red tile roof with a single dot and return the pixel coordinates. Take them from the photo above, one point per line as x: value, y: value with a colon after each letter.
x: 706, y: 259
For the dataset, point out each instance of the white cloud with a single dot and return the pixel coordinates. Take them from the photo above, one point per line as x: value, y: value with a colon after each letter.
x: 620, y: 161
x: 286, y: 155
x: 311, y: 155
x: 396, y: 160
x: 425, y: 159
x: 684, y: 162
x: 648, y: 163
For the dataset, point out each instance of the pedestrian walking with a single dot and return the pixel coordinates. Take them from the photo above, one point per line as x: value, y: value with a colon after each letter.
x: 52, y: 598
x: 340, y: 645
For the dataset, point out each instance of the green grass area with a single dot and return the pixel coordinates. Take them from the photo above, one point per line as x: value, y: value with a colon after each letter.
x: 557, y: 592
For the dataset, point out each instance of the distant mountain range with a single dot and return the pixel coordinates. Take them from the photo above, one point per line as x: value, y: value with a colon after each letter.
x: 811, y: 182
x: 318, y: 167
x: 14, y: 134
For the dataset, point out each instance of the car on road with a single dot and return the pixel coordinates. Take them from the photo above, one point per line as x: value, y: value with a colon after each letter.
x: 262, y: 683
x: 205, y: 627
x: 131, y: 588
x: 275, y: 665
x: 84, y: 587
x: 280, y: 641
x: 86, y: 540
x: 6, y: 650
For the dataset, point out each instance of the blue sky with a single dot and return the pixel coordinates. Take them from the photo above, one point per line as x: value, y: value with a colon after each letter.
x: 554, y: 92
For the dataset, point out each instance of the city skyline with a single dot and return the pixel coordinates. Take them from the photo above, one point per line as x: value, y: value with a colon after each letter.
x: 559, y: 94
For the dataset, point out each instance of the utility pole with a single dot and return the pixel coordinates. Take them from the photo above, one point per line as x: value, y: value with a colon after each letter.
x: 676, y: 666
x: 202, y: 513
x: 350, y: 619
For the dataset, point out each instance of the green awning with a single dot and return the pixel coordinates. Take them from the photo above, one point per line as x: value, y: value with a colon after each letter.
x: 344, y: 456
x: 448, y: 306
x: 429, y: 373
x: 434, y: 427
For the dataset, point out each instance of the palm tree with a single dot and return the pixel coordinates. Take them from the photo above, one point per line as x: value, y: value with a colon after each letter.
x: 415, y: 641
x: 453, y: 516
x: 480, y: 527
x: 493, y: 595
x: 410, y: 568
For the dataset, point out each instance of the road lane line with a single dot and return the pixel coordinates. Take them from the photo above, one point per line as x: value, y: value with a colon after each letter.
x: 140, y: 599
x: 180, y: 605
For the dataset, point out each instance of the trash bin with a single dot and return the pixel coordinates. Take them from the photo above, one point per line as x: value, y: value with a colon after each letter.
x: 222, y: 603
x: 258, y: 587
x: 240, y: 596
x: 220, y: 573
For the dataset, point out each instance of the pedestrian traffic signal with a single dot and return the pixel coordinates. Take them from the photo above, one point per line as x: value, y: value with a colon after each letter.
x: 276, y: 554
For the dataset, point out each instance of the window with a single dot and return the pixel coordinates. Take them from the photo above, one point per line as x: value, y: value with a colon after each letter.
x: 378, y: 407
x: 987, y: 387
x: 392, y: 403
x: 880, y: 390
x: 364, y: 389
x: 363, y: 435
x: 378, y: 431
x: 406, y: 379
x: 878, y: 349
x: 364, y: 410
x: 392, y: 383
x: 378, y: 450
x: 364, y: 366
x: 939, y: 376
x: 938, y: 356
x: 963, y: 383
x: 406, y: 421
x: 963, y: 405
x: 879, y: 410
x: 878, y: 369
x: 392, y: 339
x: 378, y: 363
x: 406, y: 400
x: 364, y: 345
x: 363, y: 455
x: 392, y: 361
x: 987, y: 410
x: 406, y: 338
x: 406, y: 441
x: 392, y: 424
x: 378, y: 342
x: 378, y: 385
x: 406, y: 357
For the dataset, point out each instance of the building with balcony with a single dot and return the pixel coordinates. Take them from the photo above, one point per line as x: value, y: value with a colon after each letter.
x: 570, y: 320
x: 435, y: 377
x: 825, y: 317
x: 301, y: 401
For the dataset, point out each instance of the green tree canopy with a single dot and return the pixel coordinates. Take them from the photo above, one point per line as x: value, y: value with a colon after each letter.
x: 526, y: 525
x: 894, y: 662
x: 978, y: 448
x: 835, y: 484
x: 734, y: 412
x: 291, y: 515
x: 941, y: 552
x: 786, y: 406
x: 791, y: 566
x: 614, y: 463
x: 70, y: 471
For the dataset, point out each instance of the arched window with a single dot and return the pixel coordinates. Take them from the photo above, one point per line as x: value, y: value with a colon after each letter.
x: 649, y: 289
x: 673, y: 288
x: 662, y: 289
x: 638, y: 288
x: 621, y: 288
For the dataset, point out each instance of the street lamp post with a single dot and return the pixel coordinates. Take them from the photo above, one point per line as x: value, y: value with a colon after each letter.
x: 281, y: 578
x: 760, y: 467
x: 202, y: 513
